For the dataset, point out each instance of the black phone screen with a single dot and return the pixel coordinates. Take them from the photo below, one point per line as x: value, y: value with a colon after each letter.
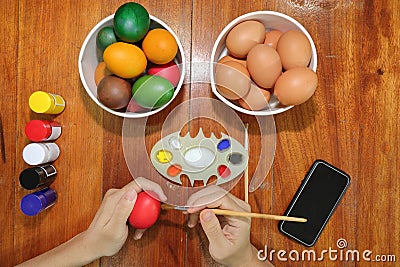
x: 315, y: 200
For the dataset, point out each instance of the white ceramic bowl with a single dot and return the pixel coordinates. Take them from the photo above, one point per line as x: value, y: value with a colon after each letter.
x: 272, y: 21
x: 88, y: 60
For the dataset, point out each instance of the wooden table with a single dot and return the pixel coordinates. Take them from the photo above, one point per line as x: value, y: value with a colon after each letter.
x: 352, y: 121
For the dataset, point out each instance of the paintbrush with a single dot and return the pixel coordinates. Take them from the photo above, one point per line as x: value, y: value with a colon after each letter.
x: 241, y: 214
x: 246, y: 170
x: 2, y: 144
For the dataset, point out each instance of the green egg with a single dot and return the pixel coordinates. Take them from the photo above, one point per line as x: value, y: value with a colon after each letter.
x: 152, y: 91
x: 131, y: 22
x: 105, y: 37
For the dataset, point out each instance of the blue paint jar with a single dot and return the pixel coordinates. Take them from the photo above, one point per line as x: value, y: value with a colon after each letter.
x: 38, y: 201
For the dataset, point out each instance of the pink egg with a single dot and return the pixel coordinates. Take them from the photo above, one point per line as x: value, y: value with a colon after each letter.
x: 134, y: 107
x: 169, y: 71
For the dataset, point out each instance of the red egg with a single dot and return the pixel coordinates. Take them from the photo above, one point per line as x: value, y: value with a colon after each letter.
x: 145, y: 212
x: 169, y: 71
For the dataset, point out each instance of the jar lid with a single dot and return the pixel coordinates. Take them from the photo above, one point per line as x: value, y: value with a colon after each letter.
x: 32, y: 204
x: 40, y: 102
x: 30, y: 178
x: 37, y: 130
x: 34, y: 154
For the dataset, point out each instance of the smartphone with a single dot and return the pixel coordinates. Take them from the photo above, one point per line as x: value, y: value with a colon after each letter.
x: 317, y: 197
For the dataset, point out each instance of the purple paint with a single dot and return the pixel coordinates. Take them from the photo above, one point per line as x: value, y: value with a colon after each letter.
x: 38, y: 201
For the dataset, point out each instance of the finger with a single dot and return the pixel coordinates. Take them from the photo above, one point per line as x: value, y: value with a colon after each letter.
x: 212, y: 228
x: 106, y: 209
x: 206, y: 196
x: 148, y: 185
x: 138, y: 234
x: 122, y: 210
x: 240, y: 203
x: 193, y: 219
x: 226, y: 202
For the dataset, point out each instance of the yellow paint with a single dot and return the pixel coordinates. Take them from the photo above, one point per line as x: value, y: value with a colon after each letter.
x: 164, y: 156
x: 42, y: 102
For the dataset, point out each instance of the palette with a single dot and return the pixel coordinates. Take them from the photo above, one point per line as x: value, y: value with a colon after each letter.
x: 199, y: 158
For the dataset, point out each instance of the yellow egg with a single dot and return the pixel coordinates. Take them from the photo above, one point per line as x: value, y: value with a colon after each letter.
x: 125, y: 60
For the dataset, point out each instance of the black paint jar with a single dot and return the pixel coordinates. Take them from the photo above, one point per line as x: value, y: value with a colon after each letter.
x: 36, y: 177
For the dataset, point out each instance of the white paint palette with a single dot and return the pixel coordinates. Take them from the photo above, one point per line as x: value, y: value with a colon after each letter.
x: 199, y: 158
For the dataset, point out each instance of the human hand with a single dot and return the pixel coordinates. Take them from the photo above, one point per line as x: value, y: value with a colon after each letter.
x: 229, y: 236
x: 108, y: 231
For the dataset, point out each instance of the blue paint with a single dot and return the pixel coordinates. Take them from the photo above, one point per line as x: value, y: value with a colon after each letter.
x: 223, y: 144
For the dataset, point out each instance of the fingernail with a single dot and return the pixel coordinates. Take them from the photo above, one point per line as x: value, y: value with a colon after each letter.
x: 130, y: 195
x: 206, y: 215
x: 138, y: 236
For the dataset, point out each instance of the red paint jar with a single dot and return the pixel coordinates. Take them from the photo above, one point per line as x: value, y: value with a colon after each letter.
x: 41, y: 130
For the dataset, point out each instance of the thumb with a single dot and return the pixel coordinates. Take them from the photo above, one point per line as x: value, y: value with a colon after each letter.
x: 123, y: 208
x: 212, y: 228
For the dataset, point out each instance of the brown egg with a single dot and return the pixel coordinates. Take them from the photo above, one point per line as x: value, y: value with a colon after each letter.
x: 114, y: 92
x: 255, y: 99
x: 230, y: 58
x: 296, y: 86
x: 232, y: 80
x: 272, y: 38
x: 243, y: 37
x: 264, y: 65
x: 101, y: 72
x: 294, y: 49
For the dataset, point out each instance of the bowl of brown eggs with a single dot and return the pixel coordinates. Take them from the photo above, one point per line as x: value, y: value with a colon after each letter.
x: 136, y: 71
x: 263, y: 63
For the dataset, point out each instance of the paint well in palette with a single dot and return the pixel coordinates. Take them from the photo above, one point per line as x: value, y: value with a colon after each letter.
x: 199, y: 157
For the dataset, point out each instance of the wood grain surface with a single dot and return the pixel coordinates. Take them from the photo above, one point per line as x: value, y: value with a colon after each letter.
x: 352, y: 122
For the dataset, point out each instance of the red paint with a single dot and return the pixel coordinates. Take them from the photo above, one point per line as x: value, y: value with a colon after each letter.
x: 145, y: 212
x: 224, y: 171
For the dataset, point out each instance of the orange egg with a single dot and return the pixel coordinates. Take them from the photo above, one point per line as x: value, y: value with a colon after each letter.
x: 101, y: 72
x: 160, y: 46
x: 232, y: 80
x: 125, y: 60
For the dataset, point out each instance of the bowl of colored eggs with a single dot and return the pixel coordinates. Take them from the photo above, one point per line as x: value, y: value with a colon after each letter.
x: 131, y: 63
x: 263, y: 63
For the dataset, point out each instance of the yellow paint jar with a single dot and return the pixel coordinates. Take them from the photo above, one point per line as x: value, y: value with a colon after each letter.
x: 42, y: 102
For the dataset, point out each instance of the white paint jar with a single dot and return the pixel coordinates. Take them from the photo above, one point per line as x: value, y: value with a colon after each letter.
x: 40, y: 153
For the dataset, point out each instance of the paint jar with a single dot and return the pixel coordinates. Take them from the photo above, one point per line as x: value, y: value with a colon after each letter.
x: 38, y: 201
x: 41, y: 130
x: 40, y: 153
x: 32, y: 178
x: 42, y: 102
